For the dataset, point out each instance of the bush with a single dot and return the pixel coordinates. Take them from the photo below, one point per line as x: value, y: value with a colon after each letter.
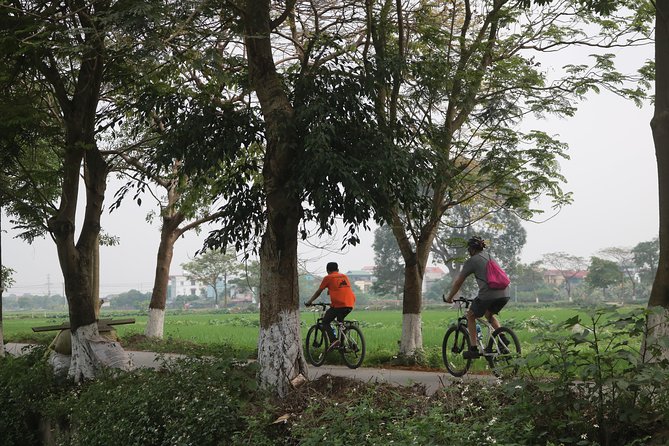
x: 591, y: 386
x: 195, y: 401
x: 26, y: 381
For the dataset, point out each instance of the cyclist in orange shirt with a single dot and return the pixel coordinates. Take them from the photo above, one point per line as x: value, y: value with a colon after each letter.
x: 342, y: 299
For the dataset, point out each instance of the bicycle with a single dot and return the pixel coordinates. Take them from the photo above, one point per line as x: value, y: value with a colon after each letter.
x: 500, y: 355
x: 351, y: 341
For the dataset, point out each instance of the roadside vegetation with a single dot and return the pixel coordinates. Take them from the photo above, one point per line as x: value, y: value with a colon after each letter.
x: 584, y: 382
x: 209, y: 332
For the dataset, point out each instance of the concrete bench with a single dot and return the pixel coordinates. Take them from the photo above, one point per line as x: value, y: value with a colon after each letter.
x: 103, y: 325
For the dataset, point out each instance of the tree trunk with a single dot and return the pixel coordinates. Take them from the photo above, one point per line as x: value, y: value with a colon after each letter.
x: 411, y: 341
x: 658, y: 321
x: 280, y: 354
x: 412, y: 332
x: 169, y: 234
x: 78, y: 260
x: 2, y: 289
x: 2, y: 337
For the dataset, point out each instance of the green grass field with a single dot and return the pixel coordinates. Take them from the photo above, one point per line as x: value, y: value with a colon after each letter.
x: 382, y: 329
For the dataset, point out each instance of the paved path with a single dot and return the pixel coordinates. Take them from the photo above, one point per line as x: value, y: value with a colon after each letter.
x: 431, y: 380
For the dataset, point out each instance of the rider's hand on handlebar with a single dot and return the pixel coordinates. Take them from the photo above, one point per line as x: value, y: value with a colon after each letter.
x: 307, y: 304
x: 448, y: 301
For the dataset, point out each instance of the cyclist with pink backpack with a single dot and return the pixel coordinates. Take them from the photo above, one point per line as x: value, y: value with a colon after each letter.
x: 493, y: 290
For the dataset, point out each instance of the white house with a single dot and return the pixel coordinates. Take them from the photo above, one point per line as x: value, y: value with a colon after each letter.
x: 181, y: 285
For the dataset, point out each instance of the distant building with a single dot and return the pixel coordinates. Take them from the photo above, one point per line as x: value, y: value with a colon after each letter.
x: 556, y: 277
x: 363, y: 279
x: 432, y: 274
x: 181, y: 285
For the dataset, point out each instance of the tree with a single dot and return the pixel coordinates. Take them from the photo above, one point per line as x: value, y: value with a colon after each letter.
x: 624, y: 258
x: 567, y: 265
x: 130, y: 300
x: 646, y: 258
x: 210, y: 267
x: 388, y: 269
x: 184, y: 207
x: 502, y: 230
x: 68, y: 62
x: 529, y: 278
x: 248, y: 277
x: 603, y: 274
x: 459, y: 84
x: 658, y: 321
x: 322, y: 158
x: 6, y: 281
x: 174, y: 121
x: 658, y: 302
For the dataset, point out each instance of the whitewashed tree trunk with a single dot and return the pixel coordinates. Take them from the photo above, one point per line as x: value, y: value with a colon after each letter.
x: 155, y: 324
x: 280, y: 353
x: 658, y: 328
x: 412, y: 334
x: 91, y: 352
x: 2, y: 343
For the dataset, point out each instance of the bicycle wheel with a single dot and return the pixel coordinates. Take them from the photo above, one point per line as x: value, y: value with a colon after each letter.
x: 353, y: 350
x: 316, y: 345
x: 456, y: 341
x: 504, y: 350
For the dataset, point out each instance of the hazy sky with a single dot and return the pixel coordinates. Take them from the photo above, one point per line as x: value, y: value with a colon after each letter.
x: 612, y: 173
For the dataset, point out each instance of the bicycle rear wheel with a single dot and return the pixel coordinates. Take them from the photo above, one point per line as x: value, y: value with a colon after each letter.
x: 456, y: 341
x: 504, y: 351
x: 353, y: 350
x: 316, y: 345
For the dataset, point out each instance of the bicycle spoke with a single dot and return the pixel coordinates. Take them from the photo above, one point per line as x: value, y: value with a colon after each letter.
x: 353, y: 347
x: 456, y: 341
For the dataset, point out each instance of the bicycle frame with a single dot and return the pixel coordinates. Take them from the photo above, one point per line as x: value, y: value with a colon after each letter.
x: 499, y: 346
x: 350, y: 337
x: 489, y: 329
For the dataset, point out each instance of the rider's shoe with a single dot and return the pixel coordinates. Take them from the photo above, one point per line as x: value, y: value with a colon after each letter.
x: 472, y: 353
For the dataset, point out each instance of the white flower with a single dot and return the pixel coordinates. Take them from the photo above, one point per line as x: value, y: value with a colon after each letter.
x: 584, y: 436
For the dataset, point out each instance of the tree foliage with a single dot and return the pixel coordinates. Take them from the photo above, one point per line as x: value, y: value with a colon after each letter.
x: 210, y: 267
x: 6, y: 279
x: 567, y: 265
x: 388, y: 263
x: 502, y: 229
x: 646, y: 258
x: 603, y: 274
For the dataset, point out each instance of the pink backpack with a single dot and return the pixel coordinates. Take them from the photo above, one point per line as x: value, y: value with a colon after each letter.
x: 495, y: 276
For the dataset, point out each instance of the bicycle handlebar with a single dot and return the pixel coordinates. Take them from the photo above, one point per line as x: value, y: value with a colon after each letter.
x: 464, y: 300
x: 324, y: 305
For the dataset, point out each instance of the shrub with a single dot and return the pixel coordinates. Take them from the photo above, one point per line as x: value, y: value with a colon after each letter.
x: 590, y: 384
x: 26, y: 381
x: 195, y: 401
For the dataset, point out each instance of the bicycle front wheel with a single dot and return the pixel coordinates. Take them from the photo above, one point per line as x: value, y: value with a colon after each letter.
x: 316, y: 345
x: 456, y: 341
x: 353, y: 350
x: 503, y: 352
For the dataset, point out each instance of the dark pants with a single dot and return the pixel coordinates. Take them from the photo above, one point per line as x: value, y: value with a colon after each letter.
x: 480, y: 307
x: 331, y: 315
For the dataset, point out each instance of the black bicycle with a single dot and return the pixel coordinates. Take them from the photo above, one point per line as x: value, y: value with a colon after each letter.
x: 351, y: 341
x: 500, y: 347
